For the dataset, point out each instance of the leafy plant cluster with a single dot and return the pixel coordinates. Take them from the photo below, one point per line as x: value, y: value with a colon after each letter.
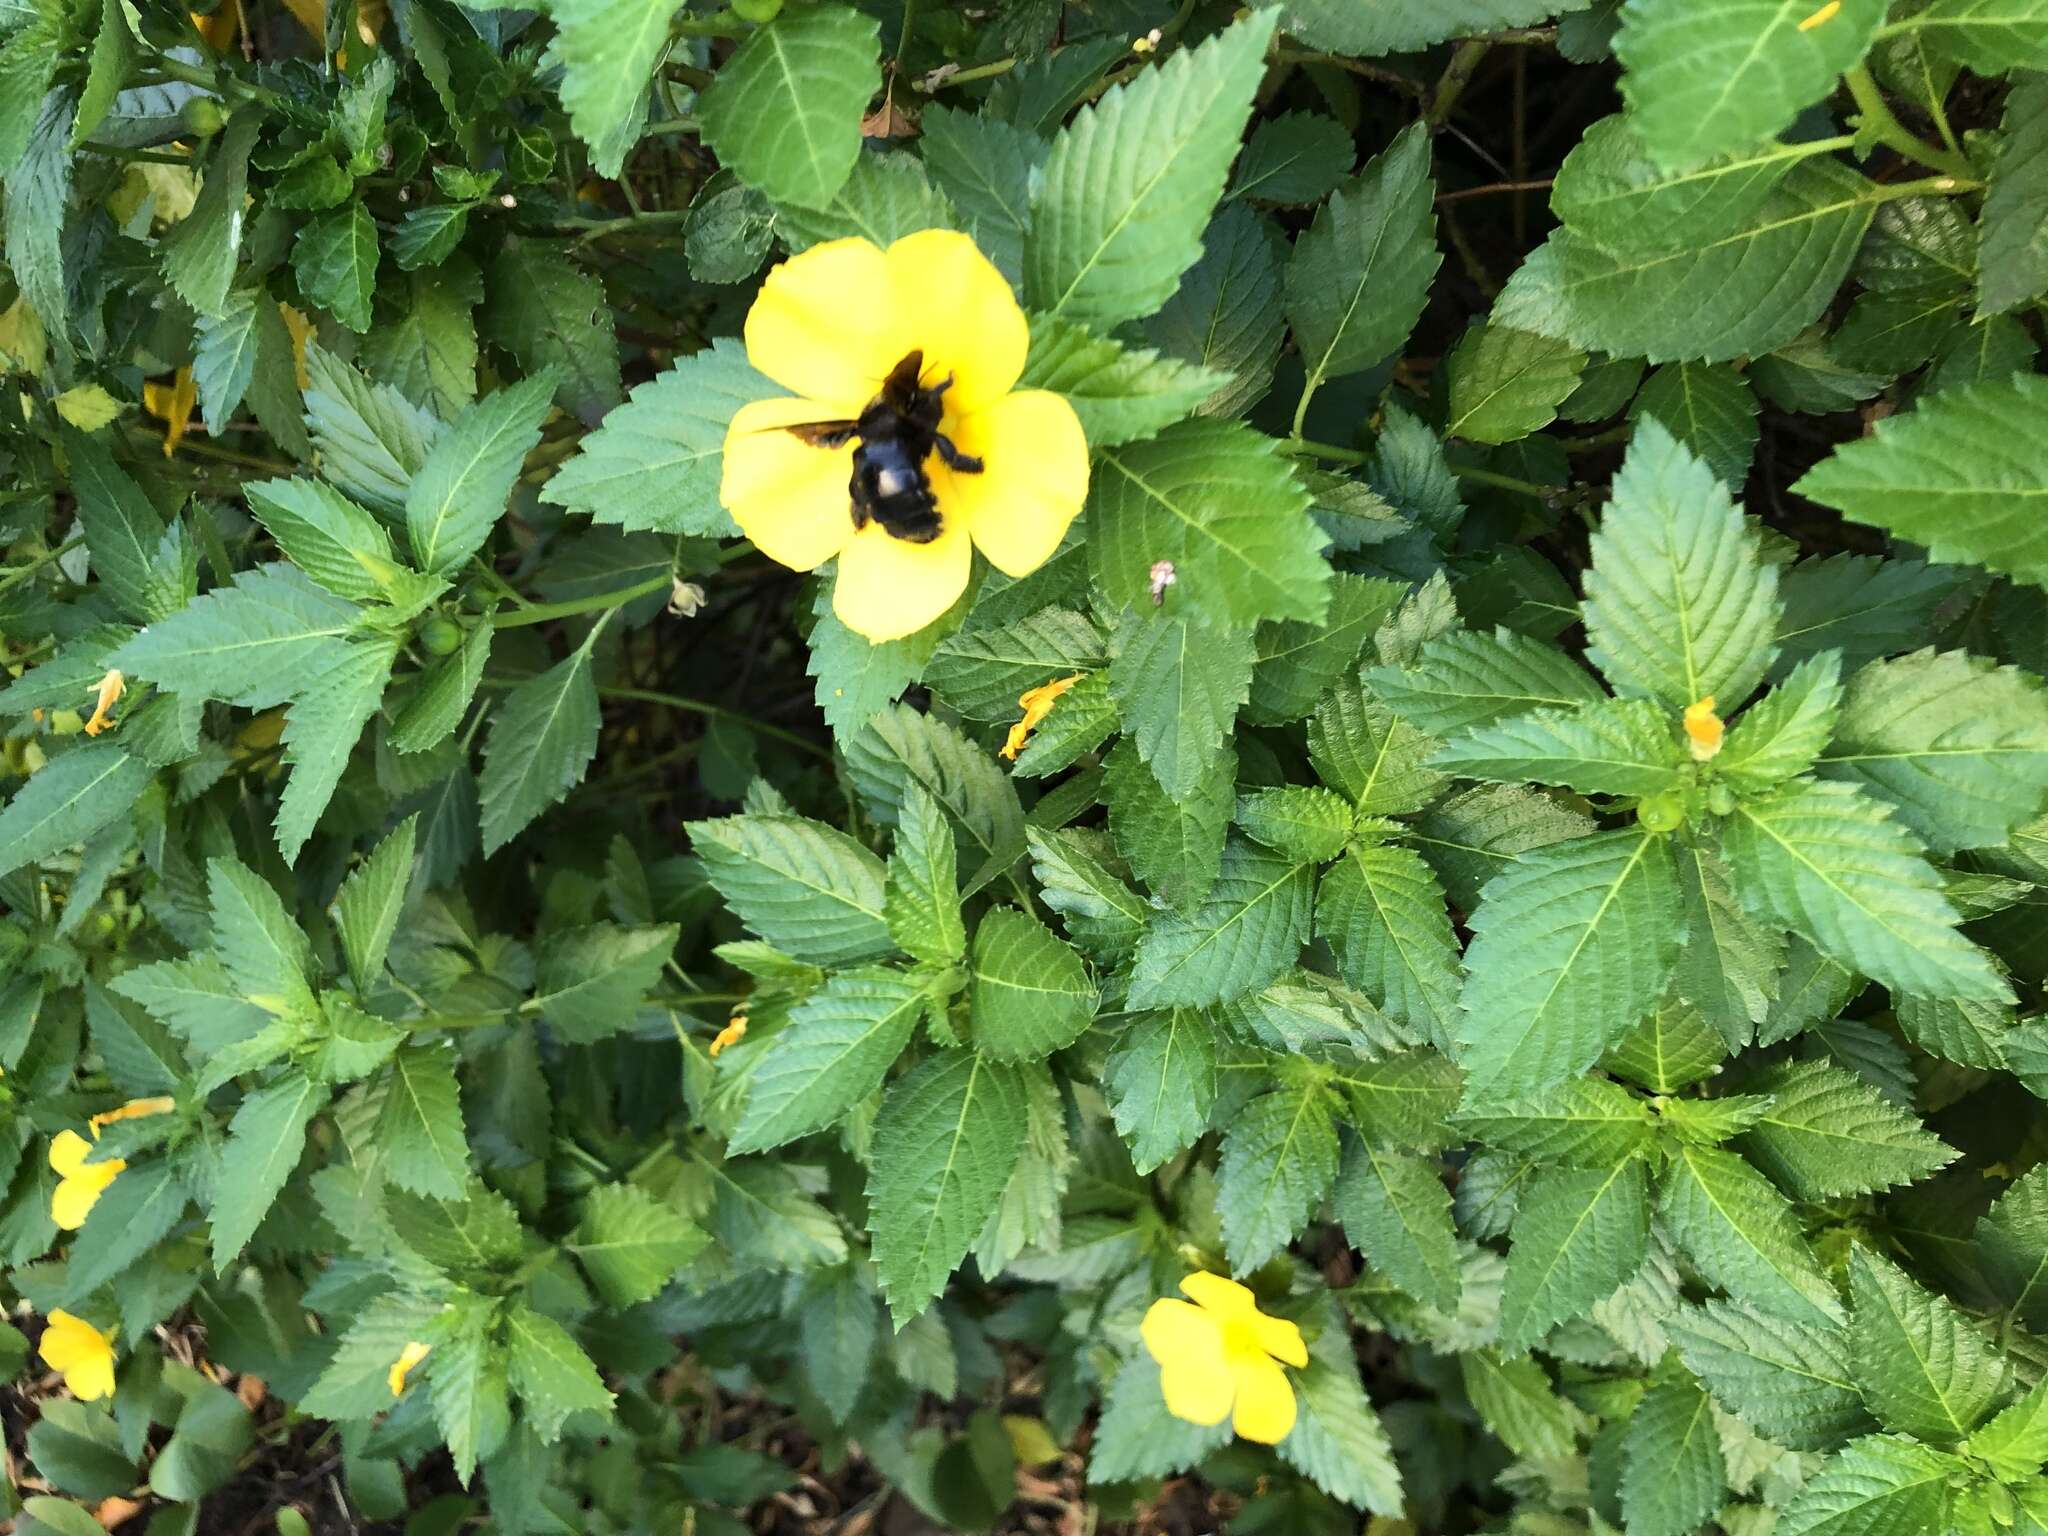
x: 1537, y: 865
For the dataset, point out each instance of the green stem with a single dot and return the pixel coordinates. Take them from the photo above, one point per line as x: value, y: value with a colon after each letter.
x: 1300, y: 447
x: 1506, y: 482
x: 15, y: 575
x: 718, y: 24
x: 1465, y: 61
x: 540, y: 613
x: 977, y: 72
x: 212, y: 80
x: 1882, y: 123
x: 1926, y: 186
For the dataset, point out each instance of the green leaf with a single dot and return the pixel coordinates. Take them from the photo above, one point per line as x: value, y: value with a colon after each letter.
x: 839, y: 1325
x: 982, y: 672
x: 1248, y: 929
x: 839, y: 1044
x: 420, y: 1133
x: 1881, y: 1485
x: 2015, y: 1442
x: 200, y: 252
x: 1402, y: 1100
x: 1405, y: 26
x: 1830, y: 1133
x: 335, y: 259
x: 542, y: 739
x: 1957, y: 742
x: 806, y: 888
x: 326, y: 535
x: 1710, y: 409
x: 1101, y: 913
x: 1612, y: 747
x: 136, y: 1213
x: 264, y: 1142
x: 2013, y: 258
x: 1377, y: 759
x: 1791, y: 1381
x: 1828, y: 862
x: 1296, y: 158
x: 549, y: 1370
x: 1161, y: 1084
x: 1279, y: 1161
x: 1382, y: 912
x: 1612, y: 192
x: 1464, y: 678
x: 1750, y: 289
x: 984, y: 166
x: 592, y: 980
x: 467, y: 1385
x: 1673, y: 1474
x: 332, y: 705
x: 1173, y: 844
x: 1988, y: 37
x: 1728, y: 969
x: 70, y: 799
x: 550, y: 314
x: 1396, y: 1210
x: 887, y: 197
x: 461, y: 489
x: 1923, y: 1367
x: 1228, y: 312
x: 1119, y: 208
x: 1704, y: 79
x: 1338, y: 1439
x: 922, y: 902
x: 367, y: 907
x: 1122, y: 395
x: 1178, y: 686
x: 1679, y: 603
x: 1740, y: 1234
x: 209, y: 1436
x: 1225, y: 509
x: 123, y: 531
x: 949, y: 1133
x: 1579, y: 1235
x: 432, y: 711
x: 1960, y: 473
x: 1297, y: 663
x: 1138, y: 1438
x: 1516, y: 1401
x: 1307, y: 824
x: 903, y: 748
x: 608, y: 51
x: 784, y: 111
x: 1506, y: 384
x: 1360, y: 274
x: 371, y: 439
x: 252, y: 644
x: 1572, y: 946
x: 631, y: 1244
x: 1781, y: 735
x: 1029, y: 994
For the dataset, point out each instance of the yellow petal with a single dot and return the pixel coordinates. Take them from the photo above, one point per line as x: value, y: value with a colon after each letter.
x: 1198, y: 1392
x: 413, y: 1353
x: 1036, y: 703
x: 734, y: 1032
x: 1220, y: 1295
x: 108, y: 694
x: 173, y: 403
x: 1033, y: 481
x: 790, y: 498
x: 68, y: 1152
x: 136, y: 1109
x: 1265, y: 1398
x: 1175, y: 1331
x: 1704, y: 729
x: 961, y: 314
x: 824, y: 325
x: 82, y: 1353
x: 889, y: 587
x: 1280, y: 1339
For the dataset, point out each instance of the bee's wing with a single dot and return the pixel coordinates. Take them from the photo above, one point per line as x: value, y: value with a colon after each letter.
x: 820, y: 434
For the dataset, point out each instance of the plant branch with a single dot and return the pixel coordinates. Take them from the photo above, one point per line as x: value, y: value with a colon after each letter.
x: 540, y: 613
x: 1882, y: 124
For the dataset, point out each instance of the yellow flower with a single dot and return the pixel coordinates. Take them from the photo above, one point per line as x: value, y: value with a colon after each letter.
x: 173, y: 404
x: 81, y: 1352
x: 1036, y: 703
x: 1222, y: 1356
x: 1704, y: 729
x: 111, y: 687
x: 410, y: 1356
x: 831, y: 325
x: 79, y: 1183
x: 734, y: 1032
x: 134, y: 1109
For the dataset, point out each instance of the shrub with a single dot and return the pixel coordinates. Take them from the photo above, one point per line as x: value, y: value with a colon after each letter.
x: 1393, y: 886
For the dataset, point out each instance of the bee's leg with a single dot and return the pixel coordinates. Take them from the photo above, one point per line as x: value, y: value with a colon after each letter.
x: 965, y: 463
x: 858, y: 498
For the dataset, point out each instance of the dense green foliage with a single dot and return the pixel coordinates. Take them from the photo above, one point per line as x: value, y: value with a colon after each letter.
x: 1643, y: 1124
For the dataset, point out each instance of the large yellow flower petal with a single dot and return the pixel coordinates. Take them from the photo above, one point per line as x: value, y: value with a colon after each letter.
x: 80, y: 1184
x: 961, y: 314
x: 82, y: 1353
x: 1175, y: 1331
x: 825, y: 325
x: 1265, y: 1398
x: 1032, y: 484
x: 1280, y: 1339
x: 1197, y: 1391
x: 1220, y: 1295
x: 68, y: 1152
x: 889, y: 587
x: 790, y: 498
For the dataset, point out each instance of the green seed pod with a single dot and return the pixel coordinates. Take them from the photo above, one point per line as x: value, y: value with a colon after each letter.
x: 1721, y: 800
x: 439, y: 636
x: 1662, y: 813
x: 202, y: 117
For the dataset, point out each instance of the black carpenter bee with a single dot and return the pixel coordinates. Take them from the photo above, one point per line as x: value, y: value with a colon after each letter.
x: 898, y: 431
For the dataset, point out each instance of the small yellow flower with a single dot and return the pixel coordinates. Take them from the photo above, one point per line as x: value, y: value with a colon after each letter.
x: 173, y: 404
x: 734, y: 1032
x: 1222, y: 1356
x: 134, y: 1109
x: 83, y: 1354
x: 410, y: 1356
x: 1703, y: 729
x: 1036, y: 703
x: 111, y: 687
x: 832, y: 325
x: 79, y: 1183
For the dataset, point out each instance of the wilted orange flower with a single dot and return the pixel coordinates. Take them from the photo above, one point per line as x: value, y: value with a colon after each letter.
x: 1036, y: 703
